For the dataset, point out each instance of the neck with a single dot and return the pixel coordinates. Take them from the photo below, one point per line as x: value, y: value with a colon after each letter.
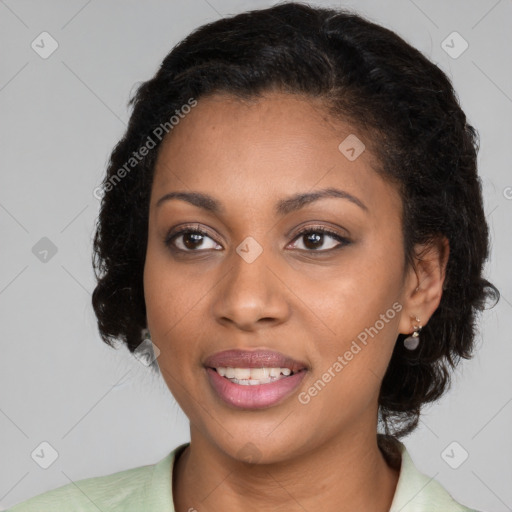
x: 341, y: 475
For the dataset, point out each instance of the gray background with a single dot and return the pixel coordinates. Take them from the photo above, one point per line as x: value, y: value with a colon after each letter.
x: 101, y: 409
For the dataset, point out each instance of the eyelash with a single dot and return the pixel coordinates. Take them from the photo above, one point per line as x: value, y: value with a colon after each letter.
x: 308, y: 230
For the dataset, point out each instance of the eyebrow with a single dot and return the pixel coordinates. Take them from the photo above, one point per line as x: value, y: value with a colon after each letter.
x: 282, y: 207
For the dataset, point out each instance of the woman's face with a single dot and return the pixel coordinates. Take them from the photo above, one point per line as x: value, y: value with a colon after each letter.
x: 333, y: 305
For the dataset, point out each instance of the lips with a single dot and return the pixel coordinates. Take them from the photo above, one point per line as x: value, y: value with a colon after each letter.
x: 254, y: 397
x: 245, y: 393
x: 253, y: 359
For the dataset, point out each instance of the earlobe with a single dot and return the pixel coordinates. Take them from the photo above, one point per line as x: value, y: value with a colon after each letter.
x: 425, y: 283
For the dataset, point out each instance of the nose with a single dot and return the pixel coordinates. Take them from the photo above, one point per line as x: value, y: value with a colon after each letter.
x: 251, y: 295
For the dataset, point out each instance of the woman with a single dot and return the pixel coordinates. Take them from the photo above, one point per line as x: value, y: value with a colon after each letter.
x: 294, y: 218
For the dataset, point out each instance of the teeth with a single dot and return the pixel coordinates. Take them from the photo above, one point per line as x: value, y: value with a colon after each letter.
x: 252, y: 382
x: 242, y: 373
x: 259, y: 373
x: 253, y: 376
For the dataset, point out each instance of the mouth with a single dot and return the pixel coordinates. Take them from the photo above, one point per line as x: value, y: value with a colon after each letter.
x: 253, y: 379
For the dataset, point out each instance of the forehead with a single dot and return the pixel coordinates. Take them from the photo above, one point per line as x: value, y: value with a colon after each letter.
x: 266, y: 149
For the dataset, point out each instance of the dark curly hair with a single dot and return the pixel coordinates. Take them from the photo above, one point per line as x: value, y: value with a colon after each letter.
x: 364, y: 74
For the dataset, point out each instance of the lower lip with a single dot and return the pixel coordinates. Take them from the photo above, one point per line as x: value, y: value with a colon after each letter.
x: 254, y: 397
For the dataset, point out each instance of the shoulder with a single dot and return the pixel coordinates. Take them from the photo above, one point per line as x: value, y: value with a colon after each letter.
x: 416, y: 491
x: 132, y: 490
x: 92, y: 494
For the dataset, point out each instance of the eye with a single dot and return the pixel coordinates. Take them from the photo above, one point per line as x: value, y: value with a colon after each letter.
x: 189, y: 239
x: 194, y: 239
x: 313, y: 239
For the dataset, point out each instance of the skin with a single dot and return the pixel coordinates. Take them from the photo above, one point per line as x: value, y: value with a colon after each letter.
x: 307, y: 303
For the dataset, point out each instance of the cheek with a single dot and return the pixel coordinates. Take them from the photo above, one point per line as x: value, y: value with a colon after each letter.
x: 349, y: 366
x: 172, y: 315
x: 171, y: 289
x: 361, y: 308
x: 170, y: 304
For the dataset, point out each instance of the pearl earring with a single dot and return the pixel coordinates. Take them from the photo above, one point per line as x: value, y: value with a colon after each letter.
x: 412, y: 342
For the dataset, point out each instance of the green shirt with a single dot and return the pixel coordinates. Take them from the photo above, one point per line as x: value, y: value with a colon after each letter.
x: 149, y: 489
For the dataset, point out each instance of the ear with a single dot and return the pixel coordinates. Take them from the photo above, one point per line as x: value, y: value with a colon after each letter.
x: 424, y: 283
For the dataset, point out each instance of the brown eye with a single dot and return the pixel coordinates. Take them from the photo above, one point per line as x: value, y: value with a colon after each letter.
x: 316, y: 239
x: 191, y: 240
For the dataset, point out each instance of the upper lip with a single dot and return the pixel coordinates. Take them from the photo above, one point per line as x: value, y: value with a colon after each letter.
x: 237, y: 358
